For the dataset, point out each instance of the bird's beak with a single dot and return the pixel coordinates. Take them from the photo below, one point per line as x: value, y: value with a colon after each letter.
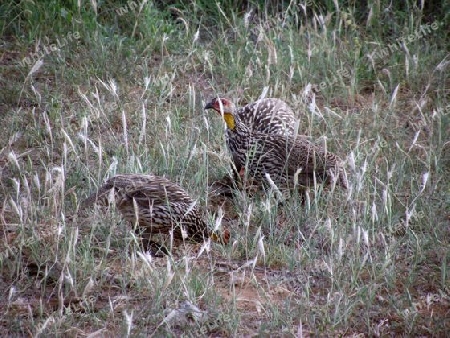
x: 209, y: 106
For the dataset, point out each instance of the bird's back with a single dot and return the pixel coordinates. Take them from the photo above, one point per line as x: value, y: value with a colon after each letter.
x: 158, y: 202
x: 269, y: 115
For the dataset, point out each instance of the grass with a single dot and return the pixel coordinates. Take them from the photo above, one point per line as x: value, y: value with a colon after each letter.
x: 127, y: 96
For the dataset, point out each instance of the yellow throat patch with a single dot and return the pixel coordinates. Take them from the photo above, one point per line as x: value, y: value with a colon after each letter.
x: 229, y: 120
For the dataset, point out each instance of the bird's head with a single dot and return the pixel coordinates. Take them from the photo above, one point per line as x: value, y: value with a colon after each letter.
x: 224, y: 107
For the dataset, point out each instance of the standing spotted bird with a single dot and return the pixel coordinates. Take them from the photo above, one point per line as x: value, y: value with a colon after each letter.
x: 266, y: 116
x: 289, y: 160
x: 156, y: 204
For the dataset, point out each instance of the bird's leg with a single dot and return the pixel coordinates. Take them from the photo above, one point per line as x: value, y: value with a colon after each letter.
x: 237, y: 173
x: 242, y: 173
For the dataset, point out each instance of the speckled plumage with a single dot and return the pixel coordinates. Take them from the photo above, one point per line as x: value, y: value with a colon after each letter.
x: 288, y: 159
x: 266, y: 116
x: 160, y: 205
x: 269, y: 116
